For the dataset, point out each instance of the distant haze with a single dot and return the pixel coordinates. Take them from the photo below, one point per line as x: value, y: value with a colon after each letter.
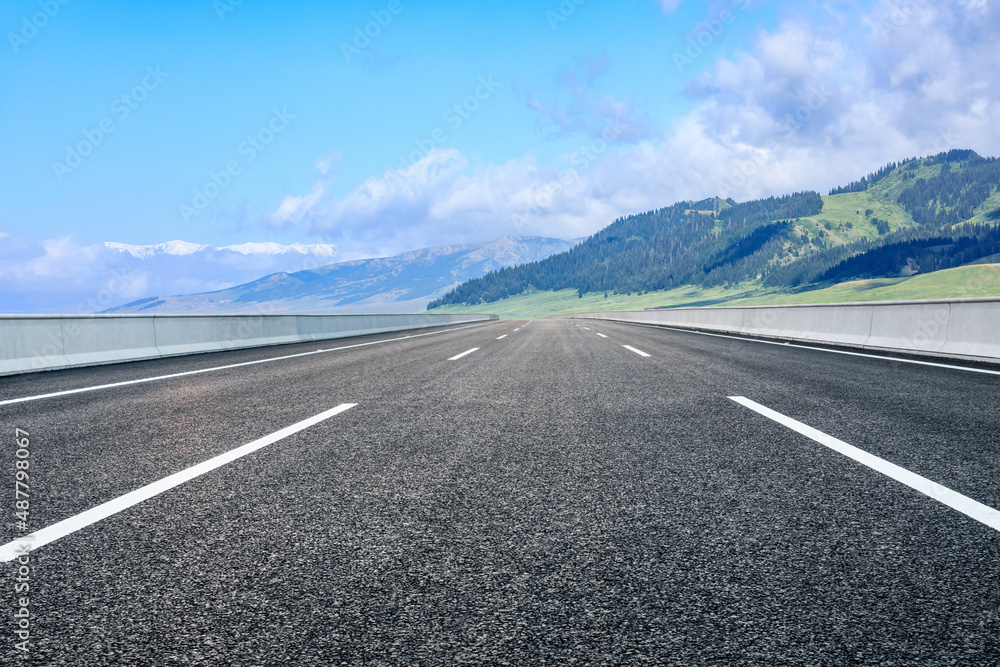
x: 62, y: 276
x: 404, y: 283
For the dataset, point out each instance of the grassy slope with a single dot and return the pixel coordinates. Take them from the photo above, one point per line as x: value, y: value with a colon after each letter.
x: 839, y: 210
x: 566, y: 301
x: 990, y: 205
x: 966, y: 281
x: 962, y: 282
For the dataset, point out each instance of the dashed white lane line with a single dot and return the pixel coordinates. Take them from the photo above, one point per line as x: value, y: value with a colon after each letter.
x: 587, y: 328
x: 501, y: 337
x: 602, y: 335
x: 124, y: 383
x: 967, y: 506
x: 459, y: 356
x: 901, y: 360
x: 39, y: 538
x: 639, y: 352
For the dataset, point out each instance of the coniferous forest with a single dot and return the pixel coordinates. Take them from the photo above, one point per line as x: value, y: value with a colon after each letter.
x: 775, y: 242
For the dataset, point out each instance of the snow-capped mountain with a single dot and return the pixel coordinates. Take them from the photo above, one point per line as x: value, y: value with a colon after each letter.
x: 270, y: 248
x: 147, y: 251
x: 403, y: 283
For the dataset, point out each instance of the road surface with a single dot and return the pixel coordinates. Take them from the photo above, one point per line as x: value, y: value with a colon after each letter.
x: 552, y: 492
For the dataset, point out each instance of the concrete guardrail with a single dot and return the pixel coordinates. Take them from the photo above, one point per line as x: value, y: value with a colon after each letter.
x: 46, y: 342
x: 953, y: 328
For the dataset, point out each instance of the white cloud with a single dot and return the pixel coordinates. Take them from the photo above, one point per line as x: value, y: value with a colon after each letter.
x: 800, y: 108
x: 443, y: 198
x: 294, y: 208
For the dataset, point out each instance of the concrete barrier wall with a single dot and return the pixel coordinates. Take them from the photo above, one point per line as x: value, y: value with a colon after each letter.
x: 954, y: 328
x: 47, y: 342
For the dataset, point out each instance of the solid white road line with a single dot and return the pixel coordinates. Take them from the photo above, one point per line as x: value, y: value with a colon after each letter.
x: 63, y: 528
x: 124, y: 383
x: 953, y: 499
x: 459, y: 356
x: 602, y: 335
x: 639, y: 352
x: 822, y: 349
x: 501, y: 337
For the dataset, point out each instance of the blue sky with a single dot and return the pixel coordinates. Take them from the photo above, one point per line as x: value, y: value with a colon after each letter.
x: 586, y: 110
x: 227, y: 67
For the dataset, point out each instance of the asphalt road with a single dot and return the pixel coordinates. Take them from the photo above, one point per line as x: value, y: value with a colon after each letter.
x: 552, y: 497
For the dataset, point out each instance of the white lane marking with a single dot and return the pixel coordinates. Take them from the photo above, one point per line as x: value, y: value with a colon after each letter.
x: 602, y: 335
x: 587, y: 328
x: 953, y: 499
x: 639, y: 352
x: 821, y: 349
x: 124, y: 383
x: 501, y: 337
x: 517, y: 329
x: 63, y: 528
x: 459, y: 356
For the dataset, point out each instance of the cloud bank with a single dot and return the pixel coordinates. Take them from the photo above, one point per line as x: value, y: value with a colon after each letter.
x: 817, y: 102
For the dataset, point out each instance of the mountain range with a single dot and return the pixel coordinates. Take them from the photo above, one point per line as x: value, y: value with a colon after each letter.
x: 403, y: 283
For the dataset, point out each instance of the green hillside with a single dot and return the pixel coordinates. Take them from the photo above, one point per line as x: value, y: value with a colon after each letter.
x: 915, y: 217
x: 969, y: 281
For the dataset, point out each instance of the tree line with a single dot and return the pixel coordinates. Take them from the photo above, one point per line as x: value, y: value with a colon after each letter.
x: 660, y: 249
x: 922, y: 249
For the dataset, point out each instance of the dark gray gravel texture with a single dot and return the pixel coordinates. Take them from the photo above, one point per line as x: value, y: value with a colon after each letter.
x: 552, y: 498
